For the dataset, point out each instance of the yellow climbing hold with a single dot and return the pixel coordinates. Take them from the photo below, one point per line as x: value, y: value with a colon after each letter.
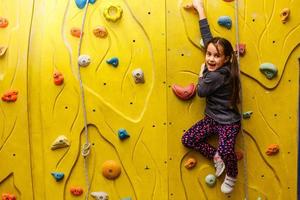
x: 113, y: 13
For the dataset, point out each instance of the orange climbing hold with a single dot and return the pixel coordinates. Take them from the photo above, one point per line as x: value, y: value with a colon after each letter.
x: 272, y: 149
x: 100, y: 32
x: 190, y: 163
x: 10, y: 96
x: 7, y: 196
x: 3, y: 22
x: 76, y: 191
x: 76, y: 32
x: 58, y: 78
x: 111, y: 169
x: 184, y: 93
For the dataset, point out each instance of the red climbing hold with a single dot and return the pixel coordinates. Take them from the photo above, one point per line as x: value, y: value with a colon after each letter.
x: 184, y: 93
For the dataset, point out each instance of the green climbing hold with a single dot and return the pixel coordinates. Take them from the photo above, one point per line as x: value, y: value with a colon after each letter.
x: 247, y: 115
x: 269, y: 70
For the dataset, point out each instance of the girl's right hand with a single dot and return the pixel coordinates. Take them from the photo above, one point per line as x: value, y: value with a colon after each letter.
x: 198, y: 4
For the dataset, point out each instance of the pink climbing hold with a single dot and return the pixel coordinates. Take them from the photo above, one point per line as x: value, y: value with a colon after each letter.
x: 184, y: 93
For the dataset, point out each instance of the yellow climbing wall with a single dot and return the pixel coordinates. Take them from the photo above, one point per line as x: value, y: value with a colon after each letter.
x: 162, y: 39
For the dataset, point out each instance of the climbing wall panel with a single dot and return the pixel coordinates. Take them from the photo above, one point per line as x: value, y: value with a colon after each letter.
x: 112, y: 98
x: 15, y: 173
x: 273, y: 102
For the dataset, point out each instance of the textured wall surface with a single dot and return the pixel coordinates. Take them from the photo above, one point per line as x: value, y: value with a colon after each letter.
x: 163, y: 39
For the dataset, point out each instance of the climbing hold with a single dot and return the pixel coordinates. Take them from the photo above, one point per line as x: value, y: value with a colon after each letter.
x: 3, y: 22
x: 113, y: 13
x: 190, y: 163
x: 60, y: 142
x: 210, y: 180
x: 241, y: 48
x: 239, y: 155
x: 225, y: 21
x: 76, y: 191
x: 138, y: 75
x: 58, y: 176
x: 10, y: 96
x: 100, y: 32
x: 269, y: 70
x: 84, y: 60
x: 284, y: 15
x: 76, y: 32
x: 247, y: 115
x: 100, y: 195
x: 111, y: 169
x: 81, y: 3
x: 126, y: 198
x: 272, y: 149
x: 8, y: 196
x: 228, y: 0
x: 123, y: 134
x: 184, y: 93
x: 2, y: 50
x: 114, y: 61
x: 58, y: 78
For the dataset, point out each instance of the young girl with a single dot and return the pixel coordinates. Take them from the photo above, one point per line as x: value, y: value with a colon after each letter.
x: 219, y: 82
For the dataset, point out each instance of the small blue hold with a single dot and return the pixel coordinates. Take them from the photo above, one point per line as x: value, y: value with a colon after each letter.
x: 58, y: 175
x: 81, y: 3
x: 113, y: 61
x: 123, y: 134
x: 225, y: 21
x: 126, y: 198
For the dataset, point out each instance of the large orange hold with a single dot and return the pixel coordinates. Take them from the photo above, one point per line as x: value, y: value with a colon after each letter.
x: 10, y: 96
x: 3, y: 22
x: 8, y: 196
x: 111, y: 169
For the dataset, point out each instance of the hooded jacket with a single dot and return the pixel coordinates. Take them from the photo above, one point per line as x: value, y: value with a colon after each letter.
x: 217, y: 88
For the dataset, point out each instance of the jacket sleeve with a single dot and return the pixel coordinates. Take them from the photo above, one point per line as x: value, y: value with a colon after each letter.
x: 205, y: 30
x: 209, y: 83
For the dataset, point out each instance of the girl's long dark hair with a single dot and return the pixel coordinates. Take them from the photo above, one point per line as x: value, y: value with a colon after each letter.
x: 234, y: 68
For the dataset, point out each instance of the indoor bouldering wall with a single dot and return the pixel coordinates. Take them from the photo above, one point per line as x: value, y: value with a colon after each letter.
x: 88, y: 109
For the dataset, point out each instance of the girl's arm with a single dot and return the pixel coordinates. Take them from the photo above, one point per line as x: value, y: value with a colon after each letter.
x: 204, y: 27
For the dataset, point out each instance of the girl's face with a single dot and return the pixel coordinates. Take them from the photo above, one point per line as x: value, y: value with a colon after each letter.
x: 215, y: 57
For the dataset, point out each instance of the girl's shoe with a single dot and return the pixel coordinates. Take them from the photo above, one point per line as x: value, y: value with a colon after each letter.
x: 219, y: 165
x: 228, y: 184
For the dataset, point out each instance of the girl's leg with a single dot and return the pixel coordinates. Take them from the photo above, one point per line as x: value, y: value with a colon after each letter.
x: 227, y: 136
x: 195, y: 137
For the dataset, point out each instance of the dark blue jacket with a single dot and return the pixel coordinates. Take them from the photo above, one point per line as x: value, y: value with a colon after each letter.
x: 216, y: 86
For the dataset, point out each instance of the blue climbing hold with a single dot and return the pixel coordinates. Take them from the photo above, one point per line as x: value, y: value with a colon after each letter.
x: 123, y: 134
x: 58, y: 175
x: 113, y: 61
x: 225, y: 21
x: 81, y: 3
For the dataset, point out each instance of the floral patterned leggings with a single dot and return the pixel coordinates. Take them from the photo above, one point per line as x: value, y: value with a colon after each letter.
x: 195, y: 138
